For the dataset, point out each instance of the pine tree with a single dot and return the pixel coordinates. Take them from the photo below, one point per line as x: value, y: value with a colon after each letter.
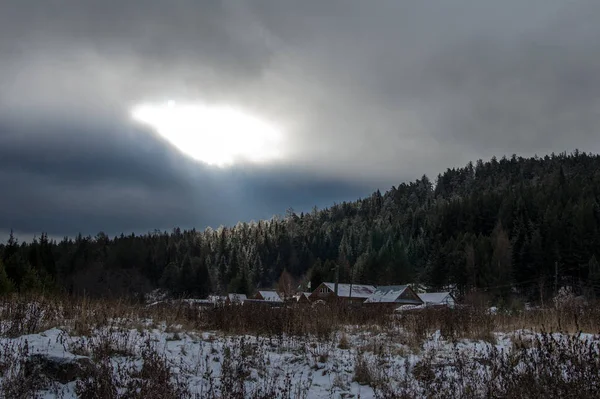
x: 501, y: 263
x: 170, y: 277
x: 31, y: 281
x: 6, y: 285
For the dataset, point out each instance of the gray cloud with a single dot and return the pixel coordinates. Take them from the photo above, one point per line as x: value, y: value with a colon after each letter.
x: 369, y: 94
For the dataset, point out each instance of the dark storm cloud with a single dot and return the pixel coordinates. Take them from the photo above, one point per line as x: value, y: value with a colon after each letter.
x: 369, y: 94
x: 83, y: 154
x: 84, y: 179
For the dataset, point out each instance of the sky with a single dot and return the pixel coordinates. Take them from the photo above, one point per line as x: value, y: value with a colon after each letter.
x: 364, y: 95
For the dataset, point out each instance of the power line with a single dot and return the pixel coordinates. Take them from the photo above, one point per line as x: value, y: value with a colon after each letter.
x: 515, y: 284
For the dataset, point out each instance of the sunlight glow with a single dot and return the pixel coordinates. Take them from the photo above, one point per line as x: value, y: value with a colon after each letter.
x: 217, y: 135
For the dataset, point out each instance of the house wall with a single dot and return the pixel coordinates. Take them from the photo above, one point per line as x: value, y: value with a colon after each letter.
x: 447, y: 301
x: 303, y: 300
x: 331, y: 297
x: 262, y: 303
x: 321, y: 292
x: 409, y: 296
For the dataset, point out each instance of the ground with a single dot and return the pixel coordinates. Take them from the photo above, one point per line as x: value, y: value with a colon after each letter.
x: 130, y: 356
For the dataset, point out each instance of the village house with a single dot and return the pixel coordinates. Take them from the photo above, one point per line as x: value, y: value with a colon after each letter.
x: 438, y: 299
x: 270, y: 296
x: 347, y: 292
x: 237, y: 299
x: 302, y: 298
x: 217, y: 300
x: 394, y: 295
x: 200, y: 303
x: 262, y: 303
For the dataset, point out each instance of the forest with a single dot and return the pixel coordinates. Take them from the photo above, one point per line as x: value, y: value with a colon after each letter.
x: 508, y: 227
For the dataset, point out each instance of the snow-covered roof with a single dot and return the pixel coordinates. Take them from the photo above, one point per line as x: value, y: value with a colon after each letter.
x: 434, y: 297
x: 270, y: 296
x: 298, y: 296
x: 358, y: 290
x: 387, y: 294
x: 237, y: 297
x: 217, y: 298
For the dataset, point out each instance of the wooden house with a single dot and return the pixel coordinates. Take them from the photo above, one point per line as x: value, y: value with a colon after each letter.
x: 438, y: 299
x: 269, y: 296
x: 301, y: 298
x: 346, y: 292
x: 235, y: 299
x: 394, y: 295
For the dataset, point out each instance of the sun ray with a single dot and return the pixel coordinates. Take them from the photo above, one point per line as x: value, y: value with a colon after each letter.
x: 216, y: 135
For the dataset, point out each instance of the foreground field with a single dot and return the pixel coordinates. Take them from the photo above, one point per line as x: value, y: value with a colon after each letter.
x: 52, y: 348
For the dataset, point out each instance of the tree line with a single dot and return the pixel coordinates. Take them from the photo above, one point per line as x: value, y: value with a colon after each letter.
x: 514, y: 226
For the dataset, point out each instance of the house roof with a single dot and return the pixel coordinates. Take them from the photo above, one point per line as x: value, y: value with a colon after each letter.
x: 434, y: 297
x: 298, y: 296
x: 358, y: 290
x: 388, y: 293
x: 271, y: 296
x: 217, y: 298
x: 237, y: 297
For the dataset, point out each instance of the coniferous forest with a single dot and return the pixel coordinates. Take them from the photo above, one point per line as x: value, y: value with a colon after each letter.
x: 513, y: 226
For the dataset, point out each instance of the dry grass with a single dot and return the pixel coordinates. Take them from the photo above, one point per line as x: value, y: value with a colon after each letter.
x: 154, y: 380
x: 570, y: 320
x: 21, y: 315
x: 344, y: 342
x: 30, y: 314
x: 322, y: 322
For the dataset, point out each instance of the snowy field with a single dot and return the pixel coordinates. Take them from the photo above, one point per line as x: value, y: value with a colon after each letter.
x: 313, y: 369
x: 153, y: 360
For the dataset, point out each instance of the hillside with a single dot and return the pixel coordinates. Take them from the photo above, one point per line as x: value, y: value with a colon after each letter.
x: 514, y: 225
